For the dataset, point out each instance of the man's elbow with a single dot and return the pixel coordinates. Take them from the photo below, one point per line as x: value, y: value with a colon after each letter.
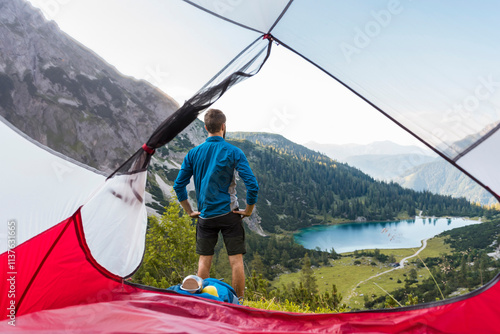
x: 180, y: 193
x: 252, y: 195
x: 254, y: 190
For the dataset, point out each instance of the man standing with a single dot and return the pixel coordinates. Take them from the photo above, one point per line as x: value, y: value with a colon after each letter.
x: 213, y: 165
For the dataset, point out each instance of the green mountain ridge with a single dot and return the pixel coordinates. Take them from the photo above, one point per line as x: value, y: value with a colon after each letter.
x: 300, y: 187
x: 280, y: 143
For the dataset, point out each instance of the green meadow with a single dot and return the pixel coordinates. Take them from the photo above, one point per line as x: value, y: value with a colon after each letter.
x: 355, y: 281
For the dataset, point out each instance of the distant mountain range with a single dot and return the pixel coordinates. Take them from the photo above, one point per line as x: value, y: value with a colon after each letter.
x: 343, y: 152
x: 386, y: 167
x: 383, y: 160
x: 411, y: 166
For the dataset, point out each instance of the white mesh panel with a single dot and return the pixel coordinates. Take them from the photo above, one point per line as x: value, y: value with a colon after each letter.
x: 484, y: 162
x: 114, y: 223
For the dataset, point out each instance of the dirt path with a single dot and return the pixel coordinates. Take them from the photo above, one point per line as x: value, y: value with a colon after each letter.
x: 401, y: 265
x: 402, y: 262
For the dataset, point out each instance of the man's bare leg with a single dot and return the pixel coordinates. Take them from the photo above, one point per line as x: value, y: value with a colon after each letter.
x: 238, y: 280
x: 204, y: 264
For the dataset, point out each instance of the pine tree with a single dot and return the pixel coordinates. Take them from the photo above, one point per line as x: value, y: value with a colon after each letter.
x: 257, y: 265
x: 413, y: 275
x: 170, y: 248
x: 285, y: 257
x: 308, y: 280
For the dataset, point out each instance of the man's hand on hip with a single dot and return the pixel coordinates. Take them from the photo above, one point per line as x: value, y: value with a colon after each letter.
x: 187, y: 207
x: 194, y: 214
x: 247, y: 212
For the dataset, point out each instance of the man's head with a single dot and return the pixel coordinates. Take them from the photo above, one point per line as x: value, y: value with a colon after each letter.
x: 214, y: 119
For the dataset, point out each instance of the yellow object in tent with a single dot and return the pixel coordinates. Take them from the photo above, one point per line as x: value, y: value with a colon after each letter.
x: 211, y: 290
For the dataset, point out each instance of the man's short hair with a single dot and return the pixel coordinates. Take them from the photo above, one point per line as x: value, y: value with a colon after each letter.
x: 214, y: 118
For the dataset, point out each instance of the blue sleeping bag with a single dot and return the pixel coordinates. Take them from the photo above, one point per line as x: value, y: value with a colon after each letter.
x: 225, y: 291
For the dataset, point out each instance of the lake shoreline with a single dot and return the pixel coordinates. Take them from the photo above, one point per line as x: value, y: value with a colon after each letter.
x: 387, y: 221
x: 405, y: 233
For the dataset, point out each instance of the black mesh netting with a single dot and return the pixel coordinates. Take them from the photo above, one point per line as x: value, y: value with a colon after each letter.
x: 244, y: 65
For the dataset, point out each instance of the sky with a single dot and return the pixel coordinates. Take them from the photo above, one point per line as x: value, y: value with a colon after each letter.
x: 152, y: 40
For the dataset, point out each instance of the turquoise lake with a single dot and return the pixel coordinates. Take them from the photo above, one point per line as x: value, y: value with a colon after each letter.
x: 382, y: 235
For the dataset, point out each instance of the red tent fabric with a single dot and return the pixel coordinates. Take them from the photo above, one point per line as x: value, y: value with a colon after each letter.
x: 63, y: 289
x: 55, y: 269
x: 70, y: 276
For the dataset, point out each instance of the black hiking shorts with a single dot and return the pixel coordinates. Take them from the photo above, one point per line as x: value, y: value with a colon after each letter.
x: 231, y: 226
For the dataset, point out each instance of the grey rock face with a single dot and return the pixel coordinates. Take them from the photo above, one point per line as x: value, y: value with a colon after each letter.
x: 66, y: 97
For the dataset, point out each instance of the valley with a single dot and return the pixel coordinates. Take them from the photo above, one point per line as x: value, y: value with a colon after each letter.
x: 63, y: 95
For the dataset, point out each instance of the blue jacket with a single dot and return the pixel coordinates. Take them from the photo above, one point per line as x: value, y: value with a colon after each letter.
x: 213, y: 165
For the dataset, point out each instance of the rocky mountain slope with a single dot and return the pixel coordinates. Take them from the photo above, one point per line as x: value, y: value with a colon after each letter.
x: 66, y: 97
x: 442, y: 178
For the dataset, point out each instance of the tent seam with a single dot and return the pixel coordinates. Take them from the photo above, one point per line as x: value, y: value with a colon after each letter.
x: 280, y: 16
x: 80, y: 233
x: 222, y: 17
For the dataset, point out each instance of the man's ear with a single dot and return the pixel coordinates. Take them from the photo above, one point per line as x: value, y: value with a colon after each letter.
x: 205, y: 127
